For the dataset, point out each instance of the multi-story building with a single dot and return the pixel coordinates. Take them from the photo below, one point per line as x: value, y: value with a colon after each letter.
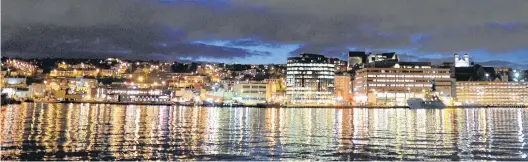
x: 37, y: 90
x: 340, y: 65
x: 250, y: 92
x: 491, y: 93
x: 275, y: 89
x: 310, y: 80
x: 393, y: 85
x: 124, y: 93
x: 343, y: 90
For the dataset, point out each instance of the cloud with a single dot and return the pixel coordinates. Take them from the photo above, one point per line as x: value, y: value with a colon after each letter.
x: 329, y: 27
x: 105, y: 41
x: 499, y: 63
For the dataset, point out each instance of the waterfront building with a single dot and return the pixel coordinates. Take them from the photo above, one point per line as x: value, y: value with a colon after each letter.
x: 275, y: 89
x: 310, y: 79
x: 37, y: 90
x: 393, y: 85
x: 343, y: 89
x: 117, y: 93
x: 250, y: 92
x: 491, y: 93
x: 461, y: 61
x: 479, y: 85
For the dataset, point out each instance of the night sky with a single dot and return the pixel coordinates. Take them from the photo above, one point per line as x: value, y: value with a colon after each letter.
x: 493, y: 32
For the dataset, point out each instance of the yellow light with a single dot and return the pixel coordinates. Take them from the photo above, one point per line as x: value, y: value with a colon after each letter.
x: 140, y: 79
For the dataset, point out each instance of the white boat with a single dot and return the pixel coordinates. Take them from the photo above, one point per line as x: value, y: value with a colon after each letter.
x: 418, y: 103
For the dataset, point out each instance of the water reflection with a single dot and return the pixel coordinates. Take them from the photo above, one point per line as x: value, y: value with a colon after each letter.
x: 111, y: 132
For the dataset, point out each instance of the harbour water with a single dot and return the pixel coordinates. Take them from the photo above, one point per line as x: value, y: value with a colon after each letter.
x: 55, y: 131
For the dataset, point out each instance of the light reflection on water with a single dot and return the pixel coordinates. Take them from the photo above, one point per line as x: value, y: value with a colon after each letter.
x: 115, y: 132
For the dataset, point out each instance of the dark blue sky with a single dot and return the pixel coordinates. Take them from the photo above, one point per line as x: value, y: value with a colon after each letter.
x: 266, y: 31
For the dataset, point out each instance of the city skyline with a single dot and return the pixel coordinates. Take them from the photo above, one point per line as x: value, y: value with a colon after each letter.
x: 265, y: 31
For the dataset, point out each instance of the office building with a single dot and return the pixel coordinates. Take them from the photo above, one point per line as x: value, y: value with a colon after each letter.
x: 393, y: 85
x: 340, y: 65
x: 275, y: 89
x: 250, y: 92
x: 491, y: 93
x: 310, y: 79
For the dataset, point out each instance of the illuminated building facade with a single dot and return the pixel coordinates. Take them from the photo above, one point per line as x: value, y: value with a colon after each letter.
x: 340, y: 65
x: 275, y: 89
x: 491, y: 93
x: 310, y: 79
x: 250, y: 92
x: 395, y: 84
x: 343, y: 87
x: 136, y: 95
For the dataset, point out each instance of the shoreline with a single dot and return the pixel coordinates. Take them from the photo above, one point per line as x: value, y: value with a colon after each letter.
x: 284, y: 106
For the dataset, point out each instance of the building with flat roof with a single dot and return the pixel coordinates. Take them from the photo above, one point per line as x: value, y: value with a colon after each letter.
x: 250, y: 92
x: 310, y: 80
x: 340, y: 65
x: 491, y: 93
x: 393, y: 85
x: 343, y: 87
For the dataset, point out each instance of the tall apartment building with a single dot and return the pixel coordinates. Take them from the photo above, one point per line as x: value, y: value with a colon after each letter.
x: 310, y: 80
x: 393, y: 85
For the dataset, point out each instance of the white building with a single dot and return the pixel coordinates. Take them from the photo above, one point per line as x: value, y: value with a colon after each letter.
x: 462, y: 62
x: 250, y: 93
